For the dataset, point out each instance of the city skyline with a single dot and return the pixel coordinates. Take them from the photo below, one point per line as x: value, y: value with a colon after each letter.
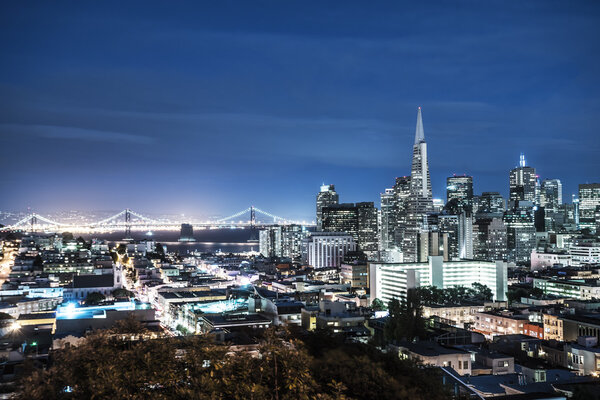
x: 211, y: 111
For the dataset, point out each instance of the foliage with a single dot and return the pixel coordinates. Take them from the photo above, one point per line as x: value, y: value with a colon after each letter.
x: 4, y: 316
x: 406, y: 320
x: 67, y: 236
x: 454, y: 295
x: 378, y: 305
x: 514, y: 294
x: 121, y: 249
x: 106, y: 366
x: 123, y: 293
x: 94, y: 298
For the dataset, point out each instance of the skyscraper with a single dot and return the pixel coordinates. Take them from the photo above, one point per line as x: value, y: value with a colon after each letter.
x: 460, y: 190
x: 520, y: 231
x: 359, y: 220
x: 489, y: 239
x: 589, y: 201
x: 420, y: 199
x: 523, y: 183
x: 282, y: 241
x: 401, y: 193
x: 551, y: 195
x: 489, y: 203
x: 387, y: 225
x: 326, y: 197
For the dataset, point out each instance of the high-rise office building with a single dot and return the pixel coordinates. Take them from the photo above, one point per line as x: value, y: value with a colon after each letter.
x: 420, y: 199
x: 523, y: 183
x: 282, y: 241
x: 460, y: 190
x: 447, y: 226
x: 402, y: 193
x: 328, y: 249
x: 341, y: 218
x: 489, y: 239
x: 520, y: 231
x: 489, y: 203
x: 387, y: 223
x: 326, y: 197
x: 367, y: 228
x: 551, y: 194
x: 589, y: 201
x: 465, y: 236
x: 358, y: 220
x: 270, y: 243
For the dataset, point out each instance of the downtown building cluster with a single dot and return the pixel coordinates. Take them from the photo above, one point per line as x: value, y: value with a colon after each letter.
x: 538, y: 255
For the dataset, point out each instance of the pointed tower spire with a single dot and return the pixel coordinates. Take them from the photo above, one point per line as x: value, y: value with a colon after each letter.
x: 419, y: 134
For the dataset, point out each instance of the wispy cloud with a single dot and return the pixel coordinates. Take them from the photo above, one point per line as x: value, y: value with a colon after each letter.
x: 74, y: 133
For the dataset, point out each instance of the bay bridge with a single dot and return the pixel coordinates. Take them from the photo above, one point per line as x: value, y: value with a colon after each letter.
x: 128, y: 220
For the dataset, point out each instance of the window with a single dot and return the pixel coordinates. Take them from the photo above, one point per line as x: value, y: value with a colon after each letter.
x: 465, y: 365
x: 503, y: 363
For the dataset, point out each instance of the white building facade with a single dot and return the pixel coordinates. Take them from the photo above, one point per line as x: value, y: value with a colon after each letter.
x: 392, y: 280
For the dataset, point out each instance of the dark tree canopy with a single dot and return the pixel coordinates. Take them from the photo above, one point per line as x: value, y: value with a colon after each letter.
x: 94, y: 298
x: 406, y: 320
x: 378, y: 305
x: 110, y: 366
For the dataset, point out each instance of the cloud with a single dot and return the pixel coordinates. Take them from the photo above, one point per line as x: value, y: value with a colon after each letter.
x: 74, y: 133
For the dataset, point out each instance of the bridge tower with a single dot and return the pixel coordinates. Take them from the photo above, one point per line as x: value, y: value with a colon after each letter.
x: 128, y: 225
x: 253, y: 232
x: 33, y: 222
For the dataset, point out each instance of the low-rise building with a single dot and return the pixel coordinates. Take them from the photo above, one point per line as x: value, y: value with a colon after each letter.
x: 578, y: 289
x: 547, y: 259
x: 431, y: 353
x: 493, y: 324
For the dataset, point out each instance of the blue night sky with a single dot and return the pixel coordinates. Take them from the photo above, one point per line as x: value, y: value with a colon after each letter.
x: 207, y: 108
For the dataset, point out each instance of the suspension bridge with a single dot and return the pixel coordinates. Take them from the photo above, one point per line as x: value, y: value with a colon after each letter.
x: 128, y: 220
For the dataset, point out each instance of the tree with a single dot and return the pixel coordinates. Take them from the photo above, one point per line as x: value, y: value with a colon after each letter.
x: 112, y: 365
x: 122, y: 249
x: 4, y: 316
x: 378, y: 305
x: 94, y: 298
x: 482, y: 292
x: 406, y: 320
x: 122, y: 293
x: 67, y: 236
